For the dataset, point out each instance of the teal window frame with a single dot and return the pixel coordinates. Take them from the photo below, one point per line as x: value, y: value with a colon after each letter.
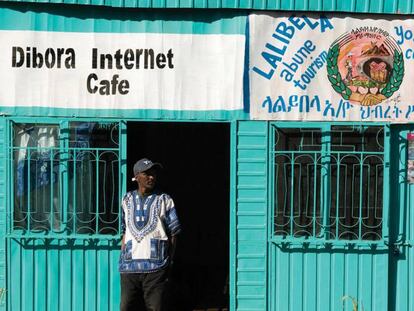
x: 64, y: 150
x: 323, y: 239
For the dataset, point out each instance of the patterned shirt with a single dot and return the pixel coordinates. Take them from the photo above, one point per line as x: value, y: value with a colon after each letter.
x: 147, y: 222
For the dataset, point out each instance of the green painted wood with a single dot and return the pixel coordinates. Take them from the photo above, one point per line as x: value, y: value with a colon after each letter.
x: 64, y: 273
x: 127, y: 114
x: 323, y: 283
x: 307, y: 275
x: 297, y: 281
x: 338, y: 279
x: 307, y: 280
x: 3, y: 208
x: 102, y: 279
x: 310, y: 291
x: 234, y: 246
x: 282, y: 295
x: 251, y: 216
x: 28, y: 267
x: 401, y: 259
x: 14, y: 297
x: 29, y: 16
x: 354, y: 6
x: 53, y: 269
x: 40, y: 286
x: 78, y: 289
x: 65, y: 279
x: 58, y: 276
x: 365, y: 282
x: 114, y: 280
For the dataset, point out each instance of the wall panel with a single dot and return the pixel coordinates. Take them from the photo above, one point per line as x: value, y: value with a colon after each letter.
x: 251, y: 216
x: 63, y: 275
x: 320, y: 279
x: 401, y: 260
x: 3, y: 208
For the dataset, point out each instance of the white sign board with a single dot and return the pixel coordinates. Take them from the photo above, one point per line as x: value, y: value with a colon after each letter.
x: 121, y: 71
x: 331, y: 68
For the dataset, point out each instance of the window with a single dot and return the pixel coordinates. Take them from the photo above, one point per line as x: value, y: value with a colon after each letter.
x: 328, y: 182
x: 66, y: 178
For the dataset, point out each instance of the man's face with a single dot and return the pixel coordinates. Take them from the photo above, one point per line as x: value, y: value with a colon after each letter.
x: 147, y: 179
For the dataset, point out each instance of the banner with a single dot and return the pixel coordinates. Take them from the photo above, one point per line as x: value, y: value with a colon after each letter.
x: 331, y: 68
x: 122, y: 70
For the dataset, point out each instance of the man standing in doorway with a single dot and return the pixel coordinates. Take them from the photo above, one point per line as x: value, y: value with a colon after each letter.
x: 150, y: 226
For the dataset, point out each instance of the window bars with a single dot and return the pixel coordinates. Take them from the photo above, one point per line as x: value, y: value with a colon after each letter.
x: 66, y: 178
x: 328, y: 182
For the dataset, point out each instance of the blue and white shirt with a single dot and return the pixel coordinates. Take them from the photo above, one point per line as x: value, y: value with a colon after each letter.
x: 147, y: 222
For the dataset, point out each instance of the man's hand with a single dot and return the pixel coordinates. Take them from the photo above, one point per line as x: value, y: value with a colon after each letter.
x: 173, y: 245
x: 123, y: 243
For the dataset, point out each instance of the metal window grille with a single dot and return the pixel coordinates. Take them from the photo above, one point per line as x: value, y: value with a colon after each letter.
x: 65, y: 179
x: 328, y: 182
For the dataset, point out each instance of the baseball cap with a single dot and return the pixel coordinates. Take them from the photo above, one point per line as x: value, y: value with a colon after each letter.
x: 144, y: 165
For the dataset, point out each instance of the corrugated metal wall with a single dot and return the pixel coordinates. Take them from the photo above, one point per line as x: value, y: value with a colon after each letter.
x: 355, y: 6
x: 303, y: 277
x: 297, y: 279
x: 401, y: 272
x: 318, y: 279
x: 251, y: 262
x: 63, y: 275
x: 62, y: 271
x: 3, y: 207
x: 326, y: 274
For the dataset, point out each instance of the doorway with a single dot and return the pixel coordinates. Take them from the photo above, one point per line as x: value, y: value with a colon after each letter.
x: 196, y: 162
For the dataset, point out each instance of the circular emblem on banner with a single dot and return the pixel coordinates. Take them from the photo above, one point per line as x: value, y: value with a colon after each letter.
x: 365, y: 66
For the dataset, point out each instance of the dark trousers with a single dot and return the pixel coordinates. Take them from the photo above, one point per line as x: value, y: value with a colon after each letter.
x: 149, y: 287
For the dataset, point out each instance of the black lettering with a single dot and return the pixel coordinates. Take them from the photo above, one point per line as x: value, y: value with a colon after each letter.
x: 94, y: 58
x: 123, y: 87
x: 118, y: 58
x: 60, y: 52
x: 128, y: 59
x: 28, y: 57
x: 50, y: 58
x: 37, y: 59
x: 149, y: 54
x: 138, y: 58
x: 107, y: 57
x: 70, y: 60
x: 170, y: 56
x: 91, y: 89
x: 114, y: 84
x: 105, y: 87
x: 17, y: 56
x: 161, y: 60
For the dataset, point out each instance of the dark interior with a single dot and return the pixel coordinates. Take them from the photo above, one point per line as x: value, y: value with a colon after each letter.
x: 196, y: 161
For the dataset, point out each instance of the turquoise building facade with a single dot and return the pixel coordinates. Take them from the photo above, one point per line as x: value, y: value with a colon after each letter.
x: 281, y: 210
